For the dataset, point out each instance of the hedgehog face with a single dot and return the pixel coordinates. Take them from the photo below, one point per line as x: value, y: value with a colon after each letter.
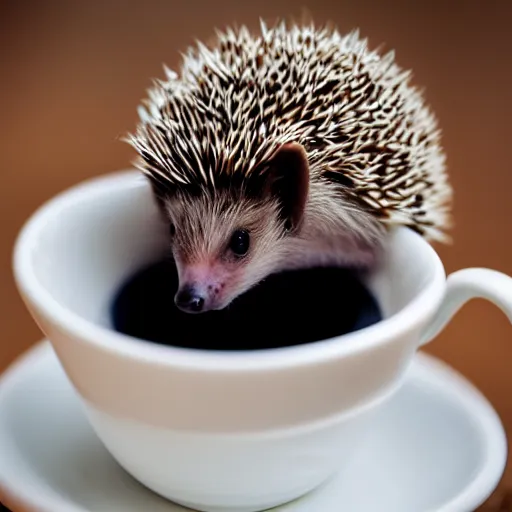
x: 224, y: 242
x: 221, y: 248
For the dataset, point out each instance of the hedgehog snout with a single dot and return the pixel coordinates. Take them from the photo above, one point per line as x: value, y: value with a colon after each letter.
x: 200, y: 289
x: 190, y: 299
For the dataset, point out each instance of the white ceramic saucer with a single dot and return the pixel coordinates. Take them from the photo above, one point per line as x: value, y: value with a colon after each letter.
x: 439, y: 446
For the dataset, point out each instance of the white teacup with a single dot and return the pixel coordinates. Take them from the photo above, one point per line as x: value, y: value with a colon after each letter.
x: 222, y: 431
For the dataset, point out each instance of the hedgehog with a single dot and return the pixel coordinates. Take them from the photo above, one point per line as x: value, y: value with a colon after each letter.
x: 288, y: 148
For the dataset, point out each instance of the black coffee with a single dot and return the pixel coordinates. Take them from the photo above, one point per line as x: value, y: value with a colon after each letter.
x: 286, y: 309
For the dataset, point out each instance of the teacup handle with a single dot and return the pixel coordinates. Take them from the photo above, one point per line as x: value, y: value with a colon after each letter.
x: 464, y: 285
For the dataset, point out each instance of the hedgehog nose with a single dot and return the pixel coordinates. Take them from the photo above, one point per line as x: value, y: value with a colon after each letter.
x: 189, y: 300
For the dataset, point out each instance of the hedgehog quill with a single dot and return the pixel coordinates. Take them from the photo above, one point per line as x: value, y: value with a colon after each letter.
x: 290, y: 148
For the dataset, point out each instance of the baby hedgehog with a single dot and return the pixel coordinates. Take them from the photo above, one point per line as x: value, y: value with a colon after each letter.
x: 292, y: 148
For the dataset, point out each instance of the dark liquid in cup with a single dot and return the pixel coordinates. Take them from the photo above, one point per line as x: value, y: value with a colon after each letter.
x: 290, y: 308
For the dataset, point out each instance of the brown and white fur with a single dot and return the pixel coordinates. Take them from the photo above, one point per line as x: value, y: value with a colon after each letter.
x: 303, y: 138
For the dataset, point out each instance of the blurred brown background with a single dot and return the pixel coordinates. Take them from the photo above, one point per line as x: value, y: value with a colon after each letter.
x: 72, y: 74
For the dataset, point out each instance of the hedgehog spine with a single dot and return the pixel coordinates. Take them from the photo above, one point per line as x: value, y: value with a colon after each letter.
x: 363, y: 125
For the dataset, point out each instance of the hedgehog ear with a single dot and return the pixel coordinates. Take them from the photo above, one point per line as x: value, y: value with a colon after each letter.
x: 288, y: 180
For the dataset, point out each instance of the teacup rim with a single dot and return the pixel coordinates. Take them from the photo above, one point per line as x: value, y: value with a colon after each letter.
x: 414, y: 314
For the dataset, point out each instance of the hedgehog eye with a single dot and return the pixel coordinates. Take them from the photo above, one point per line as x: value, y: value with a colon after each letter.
x: 172, y: 229
x: 239, y: 242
